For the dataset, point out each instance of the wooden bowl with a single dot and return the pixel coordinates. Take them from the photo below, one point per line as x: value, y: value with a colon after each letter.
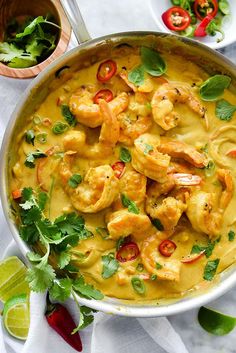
x: 10, y: 9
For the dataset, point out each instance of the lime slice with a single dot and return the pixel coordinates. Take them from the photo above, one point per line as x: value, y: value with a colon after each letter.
x: 16, y: 316
x: 12, y: 278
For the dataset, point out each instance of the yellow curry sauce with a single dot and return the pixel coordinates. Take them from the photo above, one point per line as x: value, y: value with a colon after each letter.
x: 179, y: 175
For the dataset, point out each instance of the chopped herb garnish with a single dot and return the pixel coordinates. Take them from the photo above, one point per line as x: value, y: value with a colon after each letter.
x: 125, y: 155
x: 225, y: 110
x: 32, y: 156
x: 157, y: 223
x: 158, y: 266
x: 210, y: 269
x: 69, y: 117
x: 136, y: 76
x: 153, y: 277
x: 59, y: 128
x: 138, y: 285
x: 140, y: 267
x: 30, y: 136
x: 231, y: 235
x: 208, y: 249
x: 74, y: 180
x: 41, y: 138
x: 110, y: 265
x: 103, y: 232
x: 120, y: 242
x: 131, y: 205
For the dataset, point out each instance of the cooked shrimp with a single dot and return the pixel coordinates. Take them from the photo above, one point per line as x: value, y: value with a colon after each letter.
x: 205, y: 211
x: 97, y: 191
x: 163, y: 104
x: 124, y: 223
x: 168, y: 211
x: 132, y: 126
x: 88, y: 113
x: 133, y: 185
x: 150, y: 256
x: 147, y: 160
x: 76, y: 140
x: 178, y: 149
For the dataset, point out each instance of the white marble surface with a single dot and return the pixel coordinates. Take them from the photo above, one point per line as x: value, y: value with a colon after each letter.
x: 104, y: 17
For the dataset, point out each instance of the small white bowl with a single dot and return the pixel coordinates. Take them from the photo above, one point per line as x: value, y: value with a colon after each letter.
x: 159, y: 6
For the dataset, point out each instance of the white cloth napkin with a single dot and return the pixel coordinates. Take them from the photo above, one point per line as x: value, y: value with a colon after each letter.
x: 108, y: 334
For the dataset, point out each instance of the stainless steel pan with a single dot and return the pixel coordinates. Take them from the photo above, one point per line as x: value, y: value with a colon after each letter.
x: 38, y: 90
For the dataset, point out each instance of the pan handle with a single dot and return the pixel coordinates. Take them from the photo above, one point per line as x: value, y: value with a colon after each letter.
x: 76, y: 20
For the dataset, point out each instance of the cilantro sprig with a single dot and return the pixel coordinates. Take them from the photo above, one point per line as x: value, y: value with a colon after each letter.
x: 29, y: 43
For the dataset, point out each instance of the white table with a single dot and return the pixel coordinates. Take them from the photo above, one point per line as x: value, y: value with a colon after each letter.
x: 104, y: 17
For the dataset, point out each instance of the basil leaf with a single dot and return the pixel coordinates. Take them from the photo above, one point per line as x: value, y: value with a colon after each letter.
x: 224, y: 110
x: 157, y: 223
x: 59, y: 127
x: 131, y: 205
x: 30, y: 136
x: 214, y: 87
x: 231, y: 235
x: 69, y: 117
x: 138, y: 285
x: 110, y: 265
x: 210, y: 269
x: 153, y: 62
x: 125, y: 155
x: 136, y: 76
x: 74, y: 180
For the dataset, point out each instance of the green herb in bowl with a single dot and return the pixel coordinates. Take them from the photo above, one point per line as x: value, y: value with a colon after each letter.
x: 29, y: 42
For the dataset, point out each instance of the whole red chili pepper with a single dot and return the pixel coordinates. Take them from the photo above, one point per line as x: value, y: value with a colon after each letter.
x: 61, y: 321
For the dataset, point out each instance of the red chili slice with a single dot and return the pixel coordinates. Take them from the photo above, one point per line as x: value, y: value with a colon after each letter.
x: 105, y: 94
x: 176, y: 18
x: 202, y: 8
x: 192, y: 258
x: 200, y: 31
x: 127, y: 252
x: 106, y: 70
x: 167, y: 247
x: 119, y: 168
x: 231, y: 154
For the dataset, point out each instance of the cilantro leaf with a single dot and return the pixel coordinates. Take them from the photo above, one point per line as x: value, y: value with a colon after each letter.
x: 9, y: 52
x: 29, y: 234
x: 42, y: 200
x: 61, y: 289
x: 110, y: 265
x: 231, y: 235
x: 74, y: 180
x: 85, y: 318
x: 208, y: 249
x: 63, y: 259
x: 210, y: 269
x: 225, y: 110
x: 158, y: 266
x: 31, y: 156
x: 125, y: 155
x: 69, y: 117
x: 31, y: 27
x: 33, y: 257
x: 40, y: 277
x: 131, y: 205
x: 86, y: 290
x: 23, y: 62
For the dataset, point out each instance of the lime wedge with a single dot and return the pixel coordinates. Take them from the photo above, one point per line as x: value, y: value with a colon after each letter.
x: 12, y: 278
x: 16, y: 316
